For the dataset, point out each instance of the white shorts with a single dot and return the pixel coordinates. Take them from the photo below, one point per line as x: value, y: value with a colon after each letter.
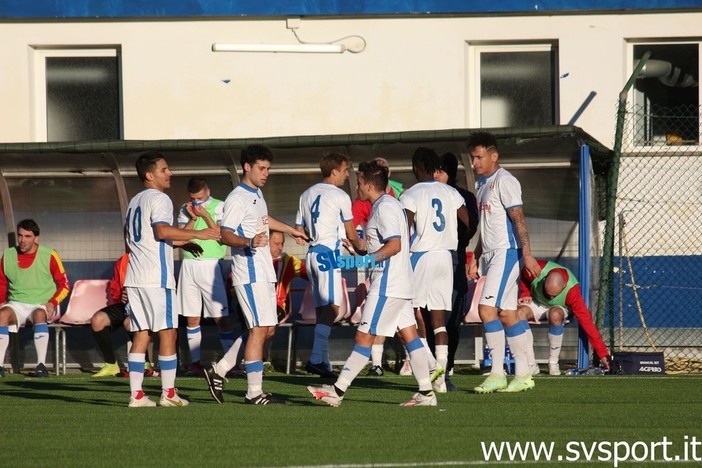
x: 23, y: 312
x: 383, y: 316
x: 258, y: 304
x: 501, y: 288
x: 152, y: 309
x: 541, y: 311
x: 432, y: 279
x: 201, y: 289
x: 326, y: 285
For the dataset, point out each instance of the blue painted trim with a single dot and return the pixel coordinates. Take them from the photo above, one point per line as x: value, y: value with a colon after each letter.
x: 584, y: 227
x: 93, y: 9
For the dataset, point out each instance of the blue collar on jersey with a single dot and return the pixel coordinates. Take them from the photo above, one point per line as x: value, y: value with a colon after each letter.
x: 248, y: 187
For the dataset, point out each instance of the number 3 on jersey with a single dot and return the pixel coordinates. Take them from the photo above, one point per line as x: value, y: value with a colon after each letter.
x: 436, y: 204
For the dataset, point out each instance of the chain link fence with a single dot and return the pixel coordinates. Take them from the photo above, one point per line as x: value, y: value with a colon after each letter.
x: 657, y: 254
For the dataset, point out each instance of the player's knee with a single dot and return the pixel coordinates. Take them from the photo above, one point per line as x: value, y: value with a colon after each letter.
x: 39, y: 316
x: 556, y: 316
x: 523, y: 312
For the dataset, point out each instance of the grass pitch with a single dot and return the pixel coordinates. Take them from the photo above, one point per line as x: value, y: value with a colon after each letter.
x: 77, y: 421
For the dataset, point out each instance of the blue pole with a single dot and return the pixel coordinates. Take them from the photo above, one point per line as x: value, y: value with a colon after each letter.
x: 584, y: 263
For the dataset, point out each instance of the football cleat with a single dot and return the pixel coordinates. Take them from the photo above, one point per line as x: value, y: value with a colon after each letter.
x: 375, y: 371
x: 406, y: 368
x: 519, y: 384
x: 41, y: 371
x: 421, y: 400
x: 215, y: 383
x: 553, y: 369
x: 108, y: 370
x: 263, y: 399
x: 173, y: 400
x: 326, y: 393
x: 322, y: 369
x: 493, y: 383
x: 143, y: 402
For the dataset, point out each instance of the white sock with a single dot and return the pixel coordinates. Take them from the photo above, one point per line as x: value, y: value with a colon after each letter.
x: 420, y: 364
x: 4, y: 342
x: 531, y: 359
x: 517, y: 339
x: 194, y: 342
x: 495, y: 339
x: 441, y: 355
x: 431, y: 360
x: 254, y: 378
x: 136, y: 361
x: 353, y: 365
x: 41, y: 341
x: 169, y: 366
x: 377, y: 354
x: 555, y: 341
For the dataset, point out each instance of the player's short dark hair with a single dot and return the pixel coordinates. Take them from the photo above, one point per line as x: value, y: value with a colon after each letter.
x: 29, y: 225
x: 426, y: 160
x: 375, y: 173
x: 146, y: 162
x: 331, y: 161
x: 195, y: 184
x: 253, y: 153
x: 484, y: 139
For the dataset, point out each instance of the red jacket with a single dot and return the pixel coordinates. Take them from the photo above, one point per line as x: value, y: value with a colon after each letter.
x: 574, y: 301
x: 117, y: 281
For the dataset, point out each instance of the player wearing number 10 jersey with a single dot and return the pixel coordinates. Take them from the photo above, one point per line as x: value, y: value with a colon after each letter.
x: 433, y: 210
x: 323, y: 209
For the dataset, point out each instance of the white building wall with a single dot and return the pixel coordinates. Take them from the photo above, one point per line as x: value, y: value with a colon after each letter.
x: 412, y: 75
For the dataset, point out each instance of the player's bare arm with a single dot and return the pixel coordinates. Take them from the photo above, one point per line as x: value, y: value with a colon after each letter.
x: 299, y: 236
x: 233, y: 240
x: 390, y: 248
x: 516, y: 214
x: 181, y: 236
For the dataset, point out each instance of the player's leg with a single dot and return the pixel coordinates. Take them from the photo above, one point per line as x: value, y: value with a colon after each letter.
x: 556, y: 320
x: 377, y: 349
x: 41, y: 340
x: 102, y: 323
x: 8, y: 320
x: 328, y: 295
x: 525, y: 314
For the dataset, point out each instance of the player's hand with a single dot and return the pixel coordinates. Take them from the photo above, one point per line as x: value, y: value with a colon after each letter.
x: 604, y: 362
x: 299, y: 236
x: 50, y: 311
x: 259, y: 240
x: 348, y: 246
x: 197, y: 210
x: 189, y: 209
x: 124, y: 297
x: 524, y: 300
x: 532, y: 266
x: 192, y: 248
x: 472, y: 269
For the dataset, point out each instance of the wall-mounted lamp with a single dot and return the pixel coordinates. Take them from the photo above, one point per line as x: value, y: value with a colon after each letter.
x: 353, y: 44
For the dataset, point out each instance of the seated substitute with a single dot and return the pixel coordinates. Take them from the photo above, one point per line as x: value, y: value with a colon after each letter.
x: 33, y: 283
x: 550, y: 296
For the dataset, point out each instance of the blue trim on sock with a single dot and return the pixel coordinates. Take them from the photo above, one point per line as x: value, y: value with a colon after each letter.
x: 555, y: 330
x: 253, y: 366
x: 168, y: 364
x: 493, y: 326
x: 192, y: 331
x: 4, y: 330
x: 515, y: 330
x: 362, y: 350
x: 41, y: 328
x: 414, y: 345
x: 135, y: 366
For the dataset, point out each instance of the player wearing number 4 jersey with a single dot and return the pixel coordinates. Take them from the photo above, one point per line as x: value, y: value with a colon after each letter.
x: 323, y: 207
x: 433, y: 210
x: 149, y: 280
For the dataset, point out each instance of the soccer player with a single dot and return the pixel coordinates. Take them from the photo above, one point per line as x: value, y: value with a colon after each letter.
x: 150, y: 282
x: 504, y: 243
x: 321, y: 208
x: 551, y: 296
x: 433, y: 210
x: 245, y: 227
x: 201, y: 282
x: 33, y: 283
x: 388, y: 306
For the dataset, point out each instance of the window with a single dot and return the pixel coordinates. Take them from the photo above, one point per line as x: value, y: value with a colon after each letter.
x: 513, y: 85
x: 666, y: 94
x: 76, y: 95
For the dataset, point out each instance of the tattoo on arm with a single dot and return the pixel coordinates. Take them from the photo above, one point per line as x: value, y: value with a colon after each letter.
x: 517, y: 217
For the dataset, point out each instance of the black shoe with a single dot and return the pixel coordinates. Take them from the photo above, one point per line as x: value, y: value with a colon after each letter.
x: 263, y: 399
x: 375, y: 371
x: 320, y: 369
x: 2, y: 372
x: 216, y: 384
x: 41, y: 371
